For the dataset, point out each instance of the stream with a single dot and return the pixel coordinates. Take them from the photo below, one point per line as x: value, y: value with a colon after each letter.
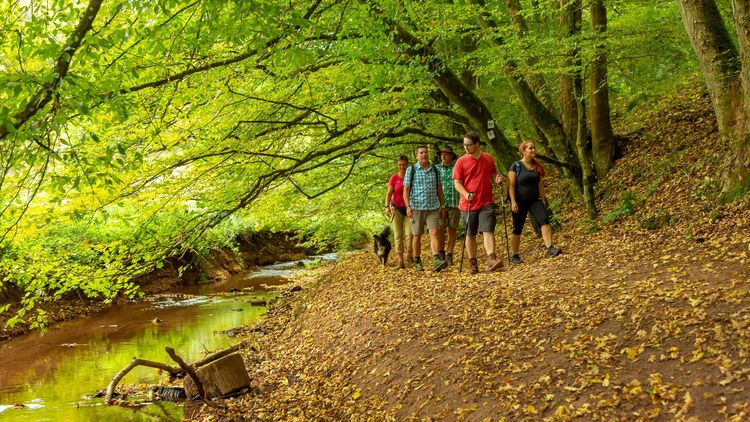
x: 52, y: 377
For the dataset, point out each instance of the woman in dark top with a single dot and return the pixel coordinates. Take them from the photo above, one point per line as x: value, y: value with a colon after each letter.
x: 527, y: 194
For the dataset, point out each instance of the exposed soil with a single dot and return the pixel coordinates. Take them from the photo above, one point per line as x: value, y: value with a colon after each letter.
x: 255, y: 249
x: 647, y: 317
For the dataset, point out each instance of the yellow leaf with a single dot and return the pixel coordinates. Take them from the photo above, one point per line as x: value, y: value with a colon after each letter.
x: 562, y: 411
x: 605, y: 382
x: 356, y: 395
x: 531, y: 409
x: 696, y: 357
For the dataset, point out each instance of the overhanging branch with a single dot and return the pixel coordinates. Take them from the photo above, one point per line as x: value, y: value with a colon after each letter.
x: 48, y: 89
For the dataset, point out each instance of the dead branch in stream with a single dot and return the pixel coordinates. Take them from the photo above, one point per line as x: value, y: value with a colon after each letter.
x: 173, y: 371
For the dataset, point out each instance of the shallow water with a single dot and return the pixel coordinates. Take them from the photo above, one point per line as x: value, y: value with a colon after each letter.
x: 47, y: 378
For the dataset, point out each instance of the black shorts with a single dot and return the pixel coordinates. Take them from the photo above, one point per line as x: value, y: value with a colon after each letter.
x: 538, y: 210
x: 482, y: 220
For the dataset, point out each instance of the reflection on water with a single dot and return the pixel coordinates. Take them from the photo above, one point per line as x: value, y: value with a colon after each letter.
x: 46, y: 378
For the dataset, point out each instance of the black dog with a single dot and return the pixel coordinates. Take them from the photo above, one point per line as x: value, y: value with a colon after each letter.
x: 382, y: 245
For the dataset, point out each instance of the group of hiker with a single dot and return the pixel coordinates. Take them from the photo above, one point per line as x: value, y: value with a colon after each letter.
x: 437, y: 197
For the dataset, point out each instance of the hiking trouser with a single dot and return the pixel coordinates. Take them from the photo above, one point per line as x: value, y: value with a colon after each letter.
x: 401, y: 232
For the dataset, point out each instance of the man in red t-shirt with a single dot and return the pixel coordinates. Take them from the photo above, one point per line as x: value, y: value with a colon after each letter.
x: 473, y: 175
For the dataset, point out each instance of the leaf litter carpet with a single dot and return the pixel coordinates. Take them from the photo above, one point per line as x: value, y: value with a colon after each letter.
x: 620, y: 327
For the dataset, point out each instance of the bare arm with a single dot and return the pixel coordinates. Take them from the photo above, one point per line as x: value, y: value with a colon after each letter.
x: 512, y: 190
x: 458, y: 185
x: 388, y: 197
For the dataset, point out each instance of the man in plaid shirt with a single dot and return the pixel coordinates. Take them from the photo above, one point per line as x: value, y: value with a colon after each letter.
x: 450, y: 215
x: 423, y: 195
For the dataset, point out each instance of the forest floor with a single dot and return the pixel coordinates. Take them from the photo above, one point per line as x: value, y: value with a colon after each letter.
x: 644, y: 317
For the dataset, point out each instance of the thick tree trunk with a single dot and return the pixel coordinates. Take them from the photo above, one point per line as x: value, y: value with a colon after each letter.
x: 588, y: 178
x: 219, y: 378
x: 602, y: 136
x: 571, y: 111
x: 737, y: 167
x: 717, y: 56
x: 727, y: 76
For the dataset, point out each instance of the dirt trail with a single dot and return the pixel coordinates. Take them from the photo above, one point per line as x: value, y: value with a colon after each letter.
x: 646, y: 316
x: 618, y: 327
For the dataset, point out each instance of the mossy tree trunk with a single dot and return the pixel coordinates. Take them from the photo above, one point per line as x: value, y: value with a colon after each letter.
x: 727, y: 75
x: 602, y: 136
x: 572, y: 101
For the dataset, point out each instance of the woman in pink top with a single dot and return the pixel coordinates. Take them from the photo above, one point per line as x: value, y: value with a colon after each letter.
x: 395, y: 209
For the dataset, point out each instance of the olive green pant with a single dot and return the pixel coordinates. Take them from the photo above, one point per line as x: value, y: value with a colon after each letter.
x: 401, y: 232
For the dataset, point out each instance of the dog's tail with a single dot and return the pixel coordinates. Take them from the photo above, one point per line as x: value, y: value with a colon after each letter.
x: 386, y: 231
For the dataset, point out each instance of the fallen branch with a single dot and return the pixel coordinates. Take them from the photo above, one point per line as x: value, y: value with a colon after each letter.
x: 137, y: 362
x: 172, y: 370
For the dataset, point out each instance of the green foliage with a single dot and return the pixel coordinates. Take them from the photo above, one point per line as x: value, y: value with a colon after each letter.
x: 735, y: 194
x: 180, y: 126
x: 626, y: 207
x: 657, y: 219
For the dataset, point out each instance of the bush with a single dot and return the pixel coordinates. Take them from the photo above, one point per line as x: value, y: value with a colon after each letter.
x: 627, y: 206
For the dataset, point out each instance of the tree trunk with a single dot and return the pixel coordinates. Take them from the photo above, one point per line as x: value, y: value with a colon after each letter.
x: 602, y: 136
x: 572, y: 102
x: 569, y: 95
x: 588, y: 178
x: 541, y: 116
x: 570, y: 20
x: 737, y: 166
x: 717, y: 56
x: 726, y: 76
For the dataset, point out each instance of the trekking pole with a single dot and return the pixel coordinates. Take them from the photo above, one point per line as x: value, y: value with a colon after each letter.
x: 505, y: 224
x: 466, y: 228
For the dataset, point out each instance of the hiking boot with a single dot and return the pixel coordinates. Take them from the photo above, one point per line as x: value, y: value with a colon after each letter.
x: 553, y: 251
x: 493, y: 264
x: 515, y: 259
x: 438, y: 264
x: 449, y: 259
x: 418, y: 264
x: 473, y: 266
x: 401, y: 265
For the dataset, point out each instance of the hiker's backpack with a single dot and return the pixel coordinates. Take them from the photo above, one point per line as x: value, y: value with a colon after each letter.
x: 516, y: 166
x: 414, y: 170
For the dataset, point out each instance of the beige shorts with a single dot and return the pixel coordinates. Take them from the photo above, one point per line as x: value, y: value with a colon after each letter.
x: 452, y: 218
x: 420, y: 218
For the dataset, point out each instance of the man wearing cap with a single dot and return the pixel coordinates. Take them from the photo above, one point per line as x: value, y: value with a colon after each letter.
x: 450, y: 215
